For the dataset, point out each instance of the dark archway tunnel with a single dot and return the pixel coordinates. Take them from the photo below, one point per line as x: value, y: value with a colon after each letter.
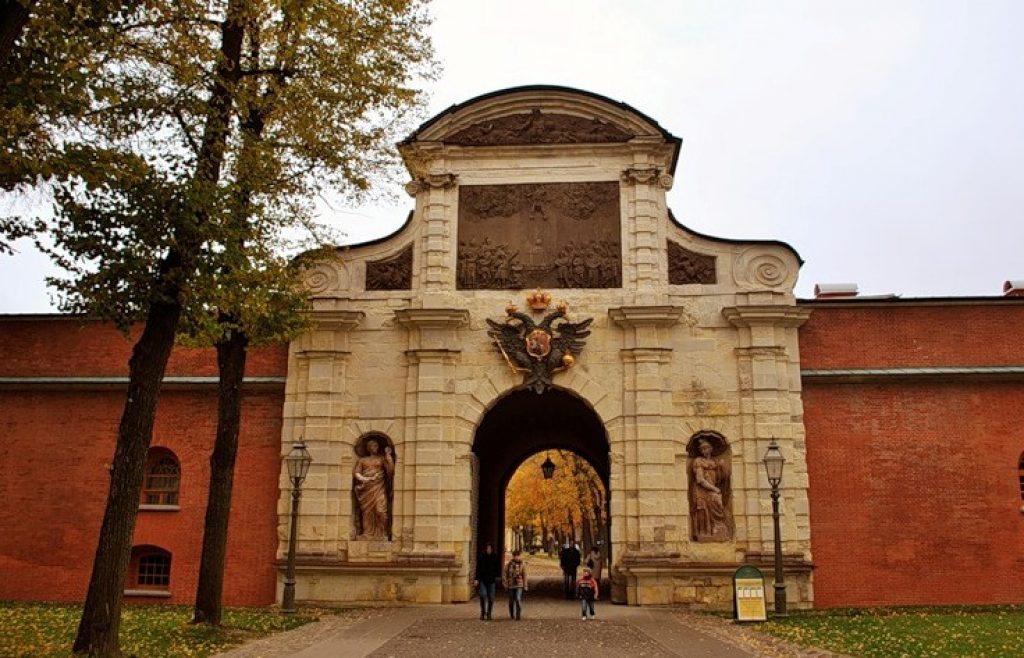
x: 523, y: 423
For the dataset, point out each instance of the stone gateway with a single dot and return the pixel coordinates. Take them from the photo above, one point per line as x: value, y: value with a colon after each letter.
x: 541, y: 296
x: 675, y: 367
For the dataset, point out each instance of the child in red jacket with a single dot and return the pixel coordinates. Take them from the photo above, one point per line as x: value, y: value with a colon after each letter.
x: 588, y: 591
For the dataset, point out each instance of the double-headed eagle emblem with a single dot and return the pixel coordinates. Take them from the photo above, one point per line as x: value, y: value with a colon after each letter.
x: 539, y: 349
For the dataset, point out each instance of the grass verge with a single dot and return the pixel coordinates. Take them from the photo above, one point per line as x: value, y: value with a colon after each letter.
x: 47, y: 630
x: 937, y: 631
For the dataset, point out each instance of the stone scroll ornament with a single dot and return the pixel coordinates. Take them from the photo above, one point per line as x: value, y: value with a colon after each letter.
x: 539, y: 350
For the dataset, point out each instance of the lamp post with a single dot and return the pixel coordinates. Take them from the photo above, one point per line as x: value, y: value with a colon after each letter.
x: 297, y: 461
x: 773, y: 463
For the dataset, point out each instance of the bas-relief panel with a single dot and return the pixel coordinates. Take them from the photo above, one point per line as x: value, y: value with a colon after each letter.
x: 544, y: 235
x: 539, y: 128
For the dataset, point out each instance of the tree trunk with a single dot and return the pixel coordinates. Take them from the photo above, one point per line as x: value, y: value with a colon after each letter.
x: 13, y: 19
x: 101, y: 616
x: 231, y: 354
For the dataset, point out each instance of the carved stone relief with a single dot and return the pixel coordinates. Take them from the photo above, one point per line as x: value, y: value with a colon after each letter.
x: 539, y: 128
x: 373, y: 491
x: 544, y: 235
x: 393, y: 273
x: 685, y: 266
x: 709, y: 471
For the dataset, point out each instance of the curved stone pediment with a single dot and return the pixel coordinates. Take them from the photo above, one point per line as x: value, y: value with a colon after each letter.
x: 538, y: 115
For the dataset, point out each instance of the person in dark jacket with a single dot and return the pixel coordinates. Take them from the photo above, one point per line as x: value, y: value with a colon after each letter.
x: 488, y: 570
x: 569, y: 560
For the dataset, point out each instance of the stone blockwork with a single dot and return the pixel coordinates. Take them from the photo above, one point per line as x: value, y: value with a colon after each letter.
x: 663, y: 362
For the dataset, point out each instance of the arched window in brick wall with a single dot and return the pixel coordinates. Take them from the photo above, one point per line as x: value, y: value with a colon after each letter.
x: 163, y: 476
x: 149, y: 572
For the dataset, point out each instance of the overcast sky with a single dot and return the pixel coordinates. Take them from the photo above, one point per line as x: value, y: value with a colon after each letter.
x: 884, y: 140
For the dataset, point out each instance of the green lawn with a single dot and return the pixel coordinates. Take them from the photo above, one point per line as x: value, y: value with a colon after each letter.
x: 954, y: 631
x: 45, y: 630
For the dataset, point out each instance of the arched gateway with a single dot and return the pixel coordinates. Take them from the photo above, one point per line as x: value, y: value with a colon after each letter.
x: 542, y: 295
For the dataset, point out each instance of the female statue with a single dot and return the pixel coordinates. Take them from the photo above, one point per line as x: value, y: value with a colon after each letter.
x: 709, y: 495
x: 372, y: 478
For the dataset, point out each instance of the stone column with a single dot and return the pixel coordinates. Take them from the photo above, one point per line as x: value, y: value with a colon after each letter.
x: 770, y: 407
x: 314, y: 412
x: 647, y: 524
x: 436, y: 491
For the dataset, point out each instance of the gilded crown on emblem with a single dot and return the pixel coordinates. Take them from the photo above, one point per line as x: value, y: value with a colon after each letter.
x: 538, y: 300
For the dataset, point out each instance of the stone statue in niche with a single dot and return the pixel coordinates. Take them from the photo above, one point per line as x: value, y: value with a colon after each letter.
x: 685, y: 266
x: 393, y: 273
x: 710, y: 490
x: 373, y: 487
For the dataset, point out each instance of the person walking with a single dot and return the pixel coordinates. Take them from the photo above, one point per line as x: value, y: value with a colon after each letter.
x: 488, y: 570
x: 588, y: 591
x: 515, y: 584
x: 569, y: 561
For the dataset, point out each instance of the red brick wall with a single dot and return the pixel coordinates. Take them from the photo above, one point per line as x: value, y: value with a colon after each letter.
x: 55, y: 444
x: 914, y: 488
x: 55, y: 346
x: 903, y: 335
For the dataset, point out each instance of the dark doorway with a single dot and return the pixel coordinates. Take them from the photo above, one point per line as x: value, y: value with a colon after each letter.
x: 519, y: 425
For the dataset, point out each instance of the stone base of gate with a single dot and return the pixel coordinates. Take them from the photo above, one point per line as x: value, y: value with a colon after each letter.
x: 708, y: 586
x: 419, y: 579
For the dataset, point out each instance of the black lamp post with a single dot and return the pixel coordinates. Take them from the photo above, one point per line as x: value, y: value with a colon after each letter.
x: 298, y: 461
x: 548, y: 467
x: 773, y: 463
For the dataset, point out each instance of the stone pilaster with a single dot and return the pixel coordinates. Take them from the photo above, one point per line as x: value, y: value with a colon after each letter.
x: 643, y: 188
x: 430, y: 517
x: 649, y: 522
x: 769, y: 392
x: 437, y: 195
x: 314, y: 412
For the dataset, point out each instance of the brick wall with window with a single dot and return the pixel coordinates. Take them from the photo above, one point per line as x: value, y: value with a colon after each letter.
x: 914, y: 490
x: 59, y: 440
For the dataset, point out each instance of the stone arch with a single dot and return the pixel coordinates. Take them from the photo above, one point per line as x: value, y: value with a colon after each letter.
x: 521, y: 423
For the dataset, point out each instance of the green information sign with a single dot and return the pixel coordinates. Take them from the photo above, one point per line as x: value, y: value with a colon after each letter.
x: 748, y: 594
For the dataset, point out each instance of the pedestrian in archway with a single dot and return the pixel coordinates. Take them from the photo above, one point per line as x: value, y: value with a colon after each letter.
x: 588, y: 591
x: 515, y: 584
x: 569, y: 560
x: 488, y: 570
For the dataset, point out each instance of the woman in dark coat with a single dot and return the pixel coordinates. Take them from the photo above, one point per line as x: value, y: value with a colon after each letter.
x: 488, y: 570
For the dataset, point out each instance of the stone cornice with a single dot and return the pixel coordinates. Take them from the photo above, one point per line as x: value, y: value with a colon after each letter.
x: 766, y: 315
x: 336, y: 320
x: 428, y: 355
x: 938, y: 373
x: 646, y: 354
x: 646, y: 316
x: 432, y: 318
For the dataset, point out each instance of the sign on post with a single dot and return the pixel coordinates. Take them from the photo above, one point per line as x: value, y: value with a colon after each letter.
x: 748, y: 594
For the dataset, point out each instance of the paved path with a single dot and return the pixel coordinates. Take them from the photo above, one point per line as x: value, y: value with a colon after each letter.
x: 550, y: 626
